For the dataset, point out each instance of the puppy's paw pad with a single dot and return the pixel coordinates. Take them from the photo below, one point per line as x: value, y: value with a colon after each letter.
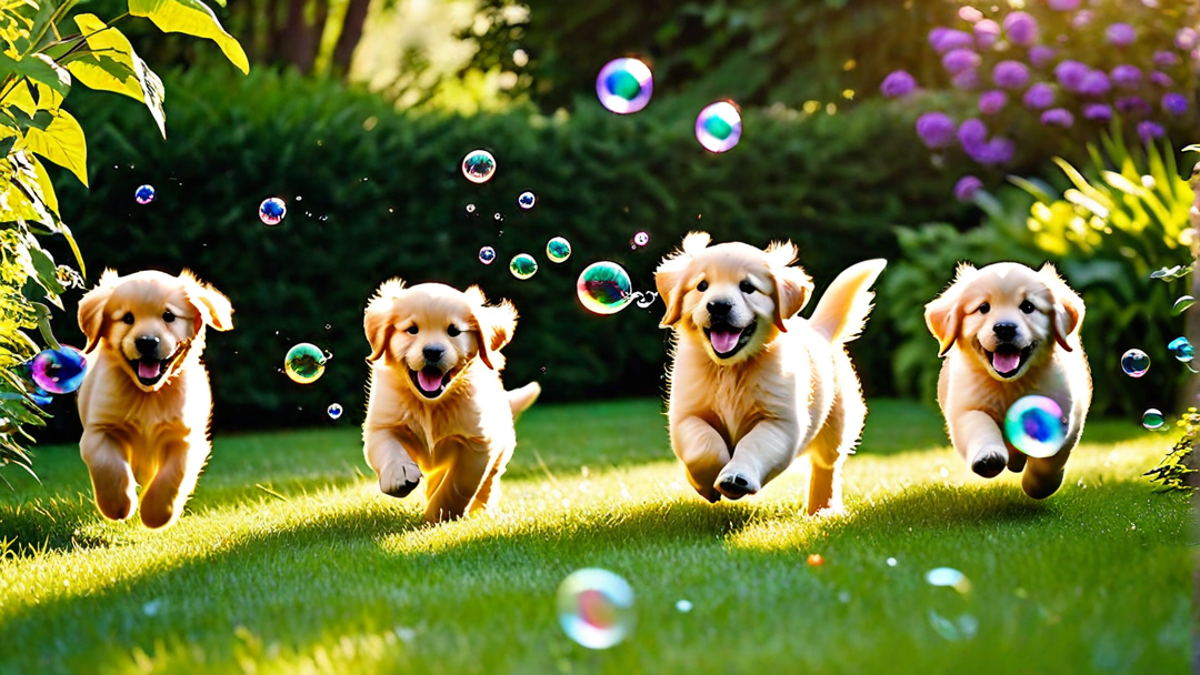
x: 736, y: 485
x: 400, y: 483
x: 710, y: 494
x: 1016, y: 463
x: 989, y: 464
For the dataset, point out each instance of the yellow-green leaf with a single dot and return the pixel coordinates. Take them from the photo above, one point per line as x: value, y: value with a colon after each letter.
x: 114, y: 66
x: 193, y: 18
x: 43, y: 181
x: 63, y: 143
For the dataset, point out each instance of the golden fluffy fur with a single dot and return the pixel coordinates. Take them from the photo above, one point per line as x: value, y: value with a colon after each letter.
x: 1007, y: 331
x: 145, y: 402
x: 752, y: 386
x: 437, y: 406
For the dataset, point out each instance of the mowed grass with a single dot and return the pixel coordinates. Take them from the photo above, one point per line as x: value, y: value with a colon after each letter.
x: 289, y: 560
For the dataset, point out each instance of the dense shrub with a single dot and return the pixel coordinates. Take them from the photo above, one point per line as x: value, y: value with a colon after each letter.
x: 372, y: 194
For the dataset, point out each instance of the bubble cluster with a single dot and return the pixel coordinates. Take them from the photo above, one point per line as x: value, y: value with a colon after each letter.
x: 1181, y: 349
x: 58, y: 371
x: 1033, y: 425
x: 604, y: 288
x: 1135, y: 363
x: 479, y: 166
x: 624, y: 85
x: 272, y: 211
x: 526, y: 200
x: 1153, y: 419
x: 948, y: 576
x: 641, y: 239
x: 1183, y: 304
x: 719, y: 126
x: 523, y: 266
x: 305, y: 363
x: 595, y: 608
x: 487, y: 255
x: 144, y: 194
x: 558, y: 250
x: 334, y: 411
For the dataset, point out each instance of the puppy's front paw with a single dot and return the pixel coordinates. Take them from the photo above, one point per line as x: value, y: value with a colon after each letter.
x: 735, y: 485
x: 709, y: 493
x: 989, y: 462
x: 399, y: 480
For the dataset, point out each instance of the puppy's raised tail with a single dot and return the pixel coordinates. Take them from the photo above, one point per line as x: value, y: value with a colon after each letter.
x: 521, y: 399
x: 842, y: 311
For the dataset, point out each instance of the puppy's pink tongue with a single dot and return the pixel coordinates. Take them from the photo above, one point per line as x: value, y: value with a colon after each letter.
x: 430, y: 381
x: 148, y: 370
x: 1006, y: 362
x: 723, y: 341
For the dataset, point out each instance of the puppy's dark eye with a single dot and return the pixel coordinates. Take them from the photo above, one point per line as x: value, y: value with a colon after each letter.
x: 1027, y: 307
x: 702, y: 286
x: 128, y: 318
x: 985, y: 308
x: 453, y: 331
x: 413, y: 330
x: 168, y: 316
x: 747, y: 287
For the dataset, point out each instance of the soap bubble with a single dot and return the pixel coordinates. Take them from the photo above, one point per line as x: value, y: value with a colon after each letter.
x: 641, y: 239
x: 272, y: 211
x: 604, y: 288
x: 1153, y: 419
x: 558, y: 250
x: 334, y: 410
x: 891, y: 562
x: 719, y: 126
x: 487, y: 255
x: 145, y: 194
x: 523, y: 266
x: 948, y: 576
x: 470, y: 208
x: 684, y: 606
x: 595, y: 608
x: 58, y: 371
x: 1033, y: 425
x: 624, y: 85
x: 479, y: 166
x: 1135, y: 363
x: 497, y: 216
x: 305, y: 363
x: 1182, y: 304
x: 526, y: 200
x: 1182, y: 349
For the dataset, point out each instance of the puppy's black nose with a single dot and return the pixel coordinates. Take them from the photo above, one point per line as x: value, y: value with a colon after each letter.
x: 146, y: 344
x: 433, y: 354
x: 1005, y: 331
x: 719, y: 307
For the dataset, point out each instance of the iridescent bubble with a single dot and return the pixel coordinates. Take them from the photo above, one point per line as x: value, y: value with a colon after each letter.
x: 272, y: 211
x: 595, y: 608
x: 479, y: 166
x: 719, y: 126
x: 526, y: 200
x: 497, y: 216
x: 948, y: 576
x: 1181, y: 349
x: 1033, y: 425
x: 144, y: 194
x: 1153, y: 419
x: 1182, y: 304
x: 558, y: 250
x: 334, y: 410
x: 487, y: 255
x: 470, y: 208
x: 58, y: 371
x: 604, y: 288
x: 305, y: 363
x: 522, y: 266
x: 1135, y: 363
x: 641, y: 238
x: 624, y: 85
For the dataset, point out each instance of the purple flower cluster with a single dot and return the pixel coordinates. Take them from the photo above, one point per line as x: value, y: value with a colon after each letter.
x: 992, y: 102
x: 1058, y: 117
x: 1064, y: 5
x: 898, y: 84
x: 1097, y: 112
x: 957, y: 60
x: 1095, y: 84
x: 1021, y: 29
x: 1121, y: 34
x: 1039, y: 96
x: 1174, y: 104
x: 966, y: 187
x: 935, y: 129
x: 1041, y: 56
x: 1070, y: 74
x: 1010, y: 75
x: 1126, y: 76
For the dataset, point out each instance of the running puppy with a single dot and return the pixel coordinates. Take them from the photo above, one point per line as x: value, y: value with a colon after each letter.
x: 437, y: 406
x: 752, y: 386
x: 1007, y: 331
x: 145, y: 403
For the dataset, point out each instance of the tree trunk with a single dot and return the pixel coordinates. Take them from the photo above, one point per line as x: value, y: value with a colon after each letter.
x: 348, y: 39
x: 298, y: 47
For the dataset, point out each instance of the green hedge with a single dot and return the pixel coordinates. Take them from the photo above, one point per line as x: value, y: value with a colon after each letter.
x: 373, y: 193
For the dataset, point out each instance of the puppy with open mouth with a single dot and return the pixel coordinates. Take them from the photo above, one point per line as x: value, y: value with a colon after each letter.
x: 1007, y: 331
x: 145, y: 402
x: 752, y: 386
x: 437, y: 408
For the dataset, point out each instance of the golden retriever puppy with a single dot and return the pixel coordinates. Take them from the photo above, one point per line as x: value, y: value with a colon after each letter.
x: 437, y: 408
x: 145, y: 403
x: 752, y: 386
x: 1007, y: 331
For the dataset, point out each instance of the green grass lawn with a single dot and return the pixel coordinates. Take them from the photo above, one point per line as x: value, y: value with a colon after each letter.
x: 290, y: 560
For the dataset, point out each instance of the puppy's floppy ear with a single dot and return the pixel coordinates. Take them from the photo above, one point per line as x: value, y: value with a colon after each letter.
x: 793, y: 287
x: 668, y: 277
x: 379, y: 320
x: 494, y: 326
x: 92, y: 320
x: 211, y: 305
x: 1068, y: 310
x: 944, y: 315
